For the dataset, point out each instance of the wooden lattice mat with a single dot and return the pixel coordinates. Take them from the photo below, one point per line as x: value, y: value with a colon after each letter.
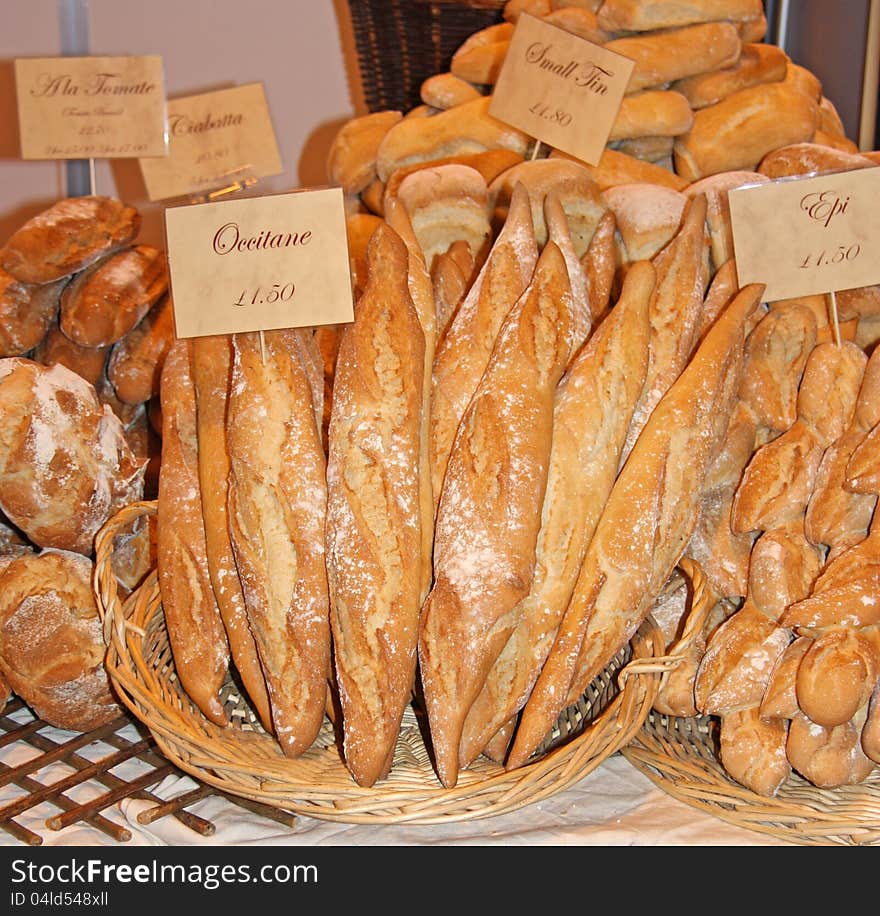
x: 75, y: 775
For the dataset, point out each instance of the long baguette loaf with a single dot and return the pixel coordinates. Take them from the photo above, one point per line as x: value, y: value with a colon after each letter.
x: 195, y: 628
x: 212, y: 372
x: 490, y: 508
x: 276, y: 516
x: 588, y: 434
x: 648, y: 518
x: 374, y: 514
x: 464, y: 350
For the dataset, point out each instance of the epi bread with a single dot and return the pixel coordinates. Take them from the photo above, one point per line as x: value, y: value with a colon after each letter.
x: 487, y: 523
x: 662, y: 57
x: 463, y: 351
x: 27, y: 311
x: 736, y: 133
x: 828, y: 757
x: 656, y: 491
x: 870, y: 736
x: 212, y: 375
x: 57, y: 347
x: 758, y: 62
x: 753, y: 750
x: 195, y: 628
x: 134, y: 365
x: 652, y: 113
x: 65, y: 463
x: 277, y: 499
x: 463, y: 129
x: 374, y: 511
x: 67, y: 237
x: 51, y: 642
x: 646, y: 15
x: 780, y: 696
x: 102, y: 303
x: 351, y: 159
x: 588, y: 433
x: 569, y: 180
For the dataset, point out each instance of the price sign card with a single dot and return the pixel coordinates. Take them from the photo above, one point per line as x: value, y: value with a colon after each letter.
x: 91, y: 107
x: 260, y: 263
x: 560, y: 88
x: 808, y: 235
x: 214, y: 138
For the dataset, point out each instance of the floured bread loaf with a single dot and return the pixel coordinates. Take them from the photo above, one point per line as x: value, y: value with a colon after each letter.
x: 57, y: 347
x: 134, y: 365
x: 26, y: 313
x: 67, y: 237
x: 65, y: 464
x: 51, y: 643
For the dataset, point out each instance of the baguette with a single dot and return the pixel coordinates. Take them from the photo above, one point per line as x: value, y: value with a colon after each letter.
x: 374, y: 516
x: 212, y: 373
x: 195, y: 628
x: 490, y: 508
x: 588, y: 434
x: 656, y: 491
x: 277, y: 501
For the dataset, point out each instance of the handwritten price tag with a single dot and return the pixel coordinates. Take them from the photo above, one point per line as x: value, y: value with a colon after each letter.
x: 259, y: 263
x: 214, y: 139
x: 808, y: 235
x: 91, y: 107
x: 560, y: 88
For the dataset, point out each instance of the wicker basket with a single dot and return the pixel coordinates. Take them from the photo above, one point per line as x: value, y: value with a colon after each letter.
x: 400, y: 43
x: 244, y: 760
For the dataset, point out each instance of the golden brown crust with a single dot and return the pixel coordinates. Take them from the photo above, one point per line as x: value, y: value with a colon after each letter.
x: 195, y: 629
x: 643, y: 15
x: 753, y: 750
x: 374, y: 512
x: 652, y: 113
x: 27, y: 311
x: 68, y: 237
x: 487, y: 521
x: 57, y: 347
x: 351, y: 160
x: 51, y: 642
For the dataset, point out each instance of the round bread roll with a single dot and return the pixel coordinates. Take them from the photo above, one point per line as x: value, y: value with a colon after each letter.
x: 67, y: 237
x: 652, y: 113
x: 65, y: 464
x: 446, y: 90
x: 51, y: 644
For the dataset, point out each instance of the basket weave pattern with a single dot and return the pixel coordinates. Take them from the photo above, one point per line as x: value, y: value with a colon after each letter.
x: 244, y: 760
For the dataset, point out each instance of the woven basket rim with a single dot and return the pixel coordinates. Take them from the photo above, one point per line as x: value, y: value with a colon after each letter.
x: 247, y: 762
x: 679, y: 755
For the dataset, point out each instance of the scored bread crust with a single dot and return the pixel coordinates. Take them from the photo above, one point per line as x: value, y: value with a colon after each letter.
x: 195, y: 628
x: 490, y: 508
x: 374, y: 539
x: 276, y: 516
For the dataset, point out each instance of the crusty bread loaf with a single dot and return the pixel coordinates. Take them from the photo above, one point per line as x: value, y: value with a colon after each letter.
x: 463, y: 351
x: 646, y: 217
x: 753, y: 750
x: 68, y: 236
x: 600, y: 266
x: 808, y: 157
x: 780, y: 697
x: 579, y: 19
x: 656, y: 491
x: 277, y: 503
x: 644, y: 15
x: 662, y: 57
x: 737, y: 132
x: 478, y: 59
x: 51, y: 642
x: 212, y: 375
x: 615, y: 167
x: 588, y: 434
x: 462, y: 129
x: 758, y: 62
x: 134, y: 365
x: 351, y: 159
x: 487, y: 523
x: 195, y: 628
x: 65, y: 464
x: 102, y: 303
x: 676, y: 303
x: 26, y: 313
x: 445, y: 90
x: 652, y: 113
x: 451, y: 276
x: 374, y: 513
x: 870, y: 737
x: 57, y: 347
x: 828, y: 757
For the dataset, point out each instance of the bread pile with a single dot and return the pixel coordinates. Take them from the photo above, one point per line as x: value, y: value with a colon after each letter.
x: 84, y: 322
x: 707, y: 95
